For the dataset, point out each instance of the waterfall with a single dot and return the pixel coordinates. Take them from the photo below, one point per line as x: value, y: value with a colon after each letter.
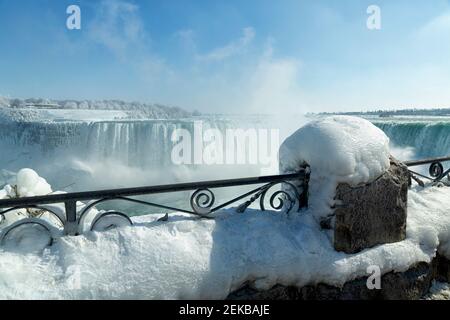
x: 135, y: 143
x: 430, y: 139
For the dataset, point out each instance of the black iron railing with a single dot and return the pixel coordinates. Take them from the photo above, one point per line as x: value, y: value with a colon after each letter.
x: 293, y: 193
x: 436, y: 171
x: 71, y: 209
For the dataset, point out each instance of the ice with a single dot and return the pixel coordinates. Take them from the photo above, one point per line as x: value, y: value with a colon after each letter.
x: 339, y: 149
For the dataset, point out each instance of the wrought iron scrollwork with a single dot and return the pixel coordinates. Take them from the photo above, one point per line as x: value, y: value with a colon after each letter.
x: 202, y: 201
x: 436, y: 171
x: 110, y: 220
x: 42, y: 209
x: 282, y: 196
x: 18, y: 230
x: 76, y: 206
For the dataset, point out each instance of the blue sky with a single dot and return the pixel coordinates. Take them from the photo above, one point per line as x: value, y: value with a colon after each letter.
x: 230, y: 56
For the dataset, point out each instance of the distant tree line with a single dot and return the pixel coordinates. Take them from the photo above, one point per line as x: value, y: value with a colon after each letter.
x: 137, y: 109
x: 399, y: 112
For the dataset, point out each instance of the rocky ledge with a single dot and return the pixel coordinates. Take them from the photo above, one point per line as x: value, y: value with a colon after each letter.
x: 412, y: 284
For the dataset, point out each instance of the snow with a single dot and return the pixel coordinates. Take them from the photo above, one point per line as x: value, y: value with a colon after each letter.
x: 29, y: 184
x: 4, y: 102
x: 429, y: 221
x: 188, y: 258
x: 82, y: 115
x: 25, y: 110
x: 31, y: 114
x: 339, y: 149
x: 350, y: 148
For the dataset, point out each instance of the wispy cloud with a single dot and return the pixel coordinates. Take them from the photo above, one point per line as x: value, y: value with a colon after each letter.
x: 117, y: 26
x: 186, y: 38
x: 256, y: 81
x: 437, y: 26
x: 231, y: 49
x: 273, y: 85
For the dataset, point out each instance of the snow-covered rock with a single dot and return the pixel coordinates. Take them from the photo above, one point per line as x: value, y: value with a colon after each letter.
x: 27, y: 184
x: 373, y: 213
x: 338, y: 149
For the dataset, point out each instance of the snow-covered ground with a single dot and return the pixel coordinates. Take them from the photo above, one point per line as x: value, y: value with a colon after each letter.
x: 188, y: 258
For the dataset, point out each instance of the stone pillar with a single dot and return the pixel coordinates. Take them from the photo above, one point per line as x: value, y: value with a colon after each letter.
x: 442, y: 268
x: 372, y: 214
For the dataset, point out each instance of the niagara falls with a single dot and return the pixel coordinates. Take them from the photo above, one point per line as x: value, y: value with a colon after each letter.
x: 225, y: 159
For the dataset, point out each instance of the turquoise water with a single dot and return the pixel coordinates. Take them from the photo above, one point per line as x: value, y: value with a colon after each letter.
x: 430, y: 137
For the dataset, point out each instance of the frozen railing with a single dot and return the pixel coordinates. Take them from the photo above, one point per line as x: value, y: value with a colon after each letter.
x: 202, y: 200
x: 71, y: 209
x: 436, y: 171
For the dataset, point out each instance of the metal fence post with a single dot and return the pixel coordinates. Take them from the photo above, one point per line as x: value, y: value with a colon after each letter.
x: 71, y: 225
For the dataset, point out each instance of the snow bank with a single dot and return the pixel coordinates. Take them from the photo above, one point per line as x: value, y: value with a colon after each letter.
x: 429, y: 218
x: 26, y: 183
x: 187, y: 258
x: 339, y: 149
x: 29, y: 184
